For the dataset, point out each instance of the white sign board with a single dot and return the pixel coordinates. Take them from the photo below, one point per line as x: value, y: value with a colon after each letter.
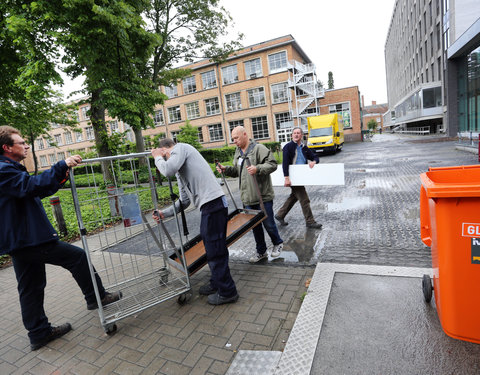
x: 303, y: 175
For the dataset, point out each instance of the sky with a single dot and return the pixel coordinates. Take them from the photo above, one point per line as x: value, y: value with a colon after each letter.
x: 346, y: 37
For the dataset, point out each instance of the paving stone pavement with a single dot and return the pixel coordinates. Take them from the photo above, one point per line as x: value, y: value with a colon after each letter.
x: 373, y: 219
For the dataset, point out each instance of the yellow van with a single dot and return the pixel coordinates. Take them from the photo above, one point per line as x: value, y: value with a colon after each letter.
x: 325, y: 133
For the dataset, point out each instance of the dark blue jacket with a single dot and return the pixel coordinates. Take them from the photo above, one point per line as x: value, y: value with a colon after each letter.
x: 290, y: 155
x: 23, y: 220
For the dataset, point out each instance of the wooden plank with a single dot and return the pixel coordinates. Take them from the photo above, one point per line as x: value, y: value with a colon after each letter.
x: 303, y: 175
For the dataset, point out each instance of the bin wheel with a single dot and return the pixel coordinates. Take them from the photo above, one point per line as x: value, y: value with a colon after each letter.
x: 427, y: 288
x: 184, y: 298
x: 111, y: 329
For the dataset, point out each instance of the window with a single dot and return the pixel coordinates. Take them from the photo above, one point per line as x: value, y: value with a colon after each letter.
x: 215, y: 132
x: 174, y: 134
x: 52, y: 158
x: 158, y: 117
x: 68, y: 138
x: 189, y: 85
x: 260, y: 127
x: 43, y: 161
x: 232, y: 125
x: 234, y: 102
x: 256, y: 97
x: 60, y: 156
x: 209, y: 80
x: 171, y: 91
x: 58, y: 139
x: 212, y: 106
x: 200, y: 134
x: 79, y: 136
x: 343, y: 110
x: 253, y: 68
x: 230, y: 74
x: 39, y: 145
x: 89, y: 132
x: 114, y: 126
x: 192, y: 110
x: 279, y: 92
x: 174, y: 114
x: 85, y: 115
x: 283, y: 120
x: 277, y: 62
x: 48, y: 142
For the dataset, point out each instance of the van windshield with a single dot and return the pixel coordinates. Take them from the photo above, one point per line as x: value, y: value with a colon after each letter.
x: 320, y: 132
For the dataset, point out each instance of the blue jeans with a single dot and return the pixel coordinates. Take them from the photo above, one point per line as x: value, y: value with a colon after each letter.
x: 213, y: 230
x: 270, y: 227
x: 29, y: 265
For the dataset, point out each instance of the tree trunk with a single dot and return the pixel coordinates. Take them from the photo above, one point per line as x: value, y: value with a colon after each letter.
x: 100, y: 131
x: 139, y: 142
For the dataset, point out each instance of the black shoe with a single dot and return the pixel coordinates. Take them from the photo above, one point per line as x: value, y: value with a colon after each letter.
x: 206, y: 290
x: 109, y: 298
x: 55, y: 333
x: 314, y: 225
x: 217, y: 299
x: 280, y: 220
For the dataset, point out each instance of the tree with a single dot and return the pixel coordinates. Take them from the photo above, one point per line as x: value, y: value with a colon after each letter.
x: 330, y: 81
x: 27, y: 72
x: 189, y: 134
x: 372, y: 125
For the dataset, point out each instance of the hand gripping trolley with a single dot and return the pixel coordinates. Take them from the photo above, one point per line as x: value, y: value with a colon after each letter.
x: 112, y: 196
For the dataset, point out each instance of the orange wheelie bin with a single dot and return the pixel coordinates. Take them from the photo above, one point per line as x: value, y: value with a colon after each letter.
x: 450, y: 225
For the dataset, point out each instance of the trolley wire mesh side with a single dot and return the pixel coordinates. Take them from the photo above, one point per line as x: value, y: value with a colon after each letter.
x: 113, y: 199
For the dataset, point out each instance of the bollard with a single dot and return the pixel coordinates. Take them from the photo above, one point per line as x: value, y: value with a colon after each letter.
x: 58, y: 213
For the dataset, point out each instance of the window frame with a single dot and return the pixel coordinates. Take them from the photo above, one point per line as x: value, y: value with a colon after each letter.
x: 189, y: 85
x: 256, y: 131
x: 277, y: 69
x: 239, y: 102
x: 177, y: 111
x: 254, y: 97
x: 226, y: 74
x: 196, y: 109
x: 208, y: 79
x: 258, y: 71
x: 209, y: 106
x: 272, y: 92
x: 218, y: 127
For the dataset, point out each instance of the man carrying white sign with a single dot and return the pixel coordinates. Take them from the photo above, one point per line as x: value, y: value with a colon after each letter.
x: 295, y: 152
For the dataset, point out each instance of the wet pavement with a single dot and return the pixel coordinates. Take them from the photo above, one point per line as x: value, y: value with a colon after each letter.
x: 348, y: 323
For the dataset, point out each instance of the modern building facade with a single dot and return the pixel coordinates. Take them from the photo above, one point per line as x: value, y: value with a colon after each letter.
x: 268, y: 88
x: 462, y: 30
x: 414, y: 61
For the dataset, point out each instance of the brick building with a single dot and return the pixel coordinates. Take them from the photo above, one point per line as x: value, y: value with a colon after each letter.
x: 268, y: 88
x: 374, y: 112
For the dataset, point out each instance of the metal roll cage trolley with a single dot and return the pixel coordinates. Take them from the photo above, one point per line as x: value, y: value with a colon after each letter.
x: 117, y: 236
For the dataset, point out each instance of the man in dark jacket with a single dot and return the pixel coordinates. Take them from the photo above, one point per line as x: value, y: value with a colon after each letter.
x: 295, y: 152
x: 29, y: 238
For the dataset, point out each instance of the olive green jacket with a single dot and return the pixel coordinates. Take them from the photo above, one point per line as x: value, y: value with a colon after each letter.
x: 261, y: 157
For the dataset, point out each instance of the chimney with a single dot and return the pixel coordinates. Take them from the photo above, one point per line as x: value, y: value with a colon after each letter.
x: 363, y: 102
x: 374, y: 102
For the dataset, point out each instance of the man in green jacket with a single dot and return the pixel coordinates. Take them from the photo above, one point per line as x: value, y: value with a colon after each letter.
x: 262, y: 165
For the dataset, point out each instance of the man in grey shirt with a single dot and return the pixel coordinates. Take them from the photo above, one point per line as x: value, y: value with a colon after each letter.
x: 197, y: 181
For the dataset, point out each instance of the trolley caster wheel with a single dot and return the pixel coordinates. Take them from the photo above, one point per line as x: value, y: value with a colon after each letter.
x: 111, y: 329
x: 427, y: 288
x: 184, y: 298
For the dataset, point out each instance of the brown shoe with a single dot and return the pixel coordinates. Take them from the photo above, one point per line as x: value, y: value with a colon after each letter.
x: 55, y: 333
x: 314, y: 225
x: 109, y: 298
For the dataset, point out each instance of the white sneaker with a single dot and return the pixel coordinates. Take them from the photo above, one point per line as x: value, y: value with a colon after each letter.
x: 277, y: 250
x: 258, y: 257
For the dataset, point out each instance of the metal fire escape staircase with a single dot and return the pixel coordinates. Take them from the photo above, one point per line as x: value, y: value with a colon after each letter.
x: 302, y: 80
